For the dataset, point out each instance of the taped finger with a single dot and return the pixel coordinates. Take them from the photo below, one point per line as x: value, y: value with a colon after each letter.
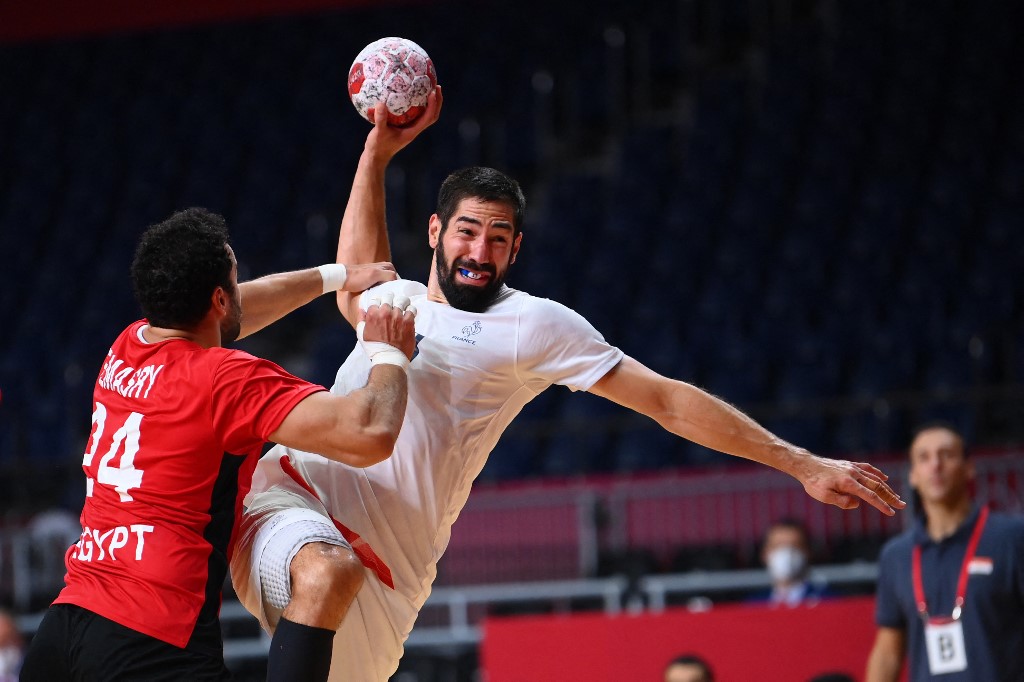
x: 382, y: 299
x: 401, y: 302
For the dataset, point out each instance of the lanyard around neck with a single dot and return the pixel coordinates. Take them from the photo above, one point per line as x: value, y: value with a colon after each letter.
x: 961, y: 586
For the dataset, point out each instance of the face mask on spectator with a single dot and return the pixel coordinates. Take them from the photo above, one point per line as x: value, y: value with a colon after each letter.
x: 786, y: 563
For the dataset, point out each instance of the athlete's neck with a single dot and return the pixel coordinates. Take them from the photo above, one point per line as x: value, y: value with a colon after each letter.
x: 157, y: 334
x: 944, y: 519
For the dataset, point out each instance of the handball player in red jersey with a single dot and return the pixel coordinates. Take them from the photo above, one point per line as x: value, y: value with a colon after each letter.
x: 178, y: 424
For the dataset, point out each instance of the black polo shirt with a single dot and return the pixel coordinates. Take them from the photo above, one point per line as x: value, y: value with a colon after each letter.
x: 993, y: 613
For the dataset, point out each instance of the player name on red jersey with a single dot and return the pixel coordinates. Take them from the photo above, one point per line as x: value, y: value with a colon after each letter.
x: 128, y: 381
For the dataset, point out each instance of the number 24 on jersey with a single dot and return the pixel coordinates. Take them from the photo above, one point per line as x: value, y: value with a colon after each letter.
x: 124, y: 442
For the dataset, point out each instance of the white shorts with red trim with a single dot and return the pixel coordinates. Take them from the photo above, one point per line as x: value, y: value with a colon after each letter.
x: 276, y: 524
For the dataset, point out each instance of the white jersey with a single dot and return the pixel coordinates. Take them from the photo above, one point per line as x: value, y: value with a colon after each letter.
x: 471, y: 375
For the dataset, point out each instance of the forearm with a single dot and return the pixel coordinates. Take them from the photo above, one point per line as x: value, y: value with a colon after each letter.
x: 363, y: 237
x: 384, y: 399
x: 883, y: 667
x: 703, y: 418
x: 698, y: 416
x: 268, y: 299
x: 358, y: 429
x: 390, y: 386
x: 885, y: 662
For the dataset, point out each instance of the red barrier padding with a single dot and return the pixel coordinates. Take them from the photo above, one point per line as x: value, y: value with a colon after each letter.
x: 741, y: 642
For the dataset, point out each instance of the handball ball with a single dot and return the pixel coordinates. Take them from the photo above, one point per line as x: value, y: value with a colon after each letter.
x: 395, y: 72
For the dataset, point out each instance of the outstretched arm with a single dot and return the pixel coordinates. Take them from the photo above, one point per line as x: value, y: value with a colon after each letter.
x: 364, y: 234
x: 687, y: 411
x: 267, y: 299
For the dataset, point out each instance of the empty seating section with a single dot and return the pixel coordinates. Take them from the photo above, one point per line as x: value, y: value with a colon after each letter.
x: 816, y: 217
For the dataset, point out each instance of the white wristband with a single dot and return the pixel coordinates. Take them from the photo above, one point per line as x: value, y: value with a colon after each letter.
x: 334, y: 276
x: 381, y: 353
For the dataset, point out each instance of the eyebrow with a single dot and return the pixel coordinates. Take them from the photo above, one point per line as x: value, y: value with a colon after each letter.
x: 500, y: 223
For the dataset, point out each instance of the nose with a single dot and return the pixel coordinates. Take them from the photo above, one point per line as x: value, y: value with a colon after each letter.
x: 480, y: 250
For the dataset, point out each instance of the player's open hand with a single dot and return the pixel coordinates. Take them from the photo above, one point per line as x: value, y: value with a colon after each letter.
x: 385, y: 141
x: 845, y: 484
x: 362, y: 277
x: 389, y: 320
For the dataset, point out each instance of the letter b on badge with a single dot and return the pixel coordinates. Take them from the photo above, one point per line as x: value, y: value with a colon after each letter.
x: 944, y: 640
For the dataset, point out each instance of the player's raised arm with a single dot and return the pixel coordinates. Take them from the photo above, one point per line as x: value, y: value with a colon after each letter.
x: 696, y: 415
x: 364, y: 234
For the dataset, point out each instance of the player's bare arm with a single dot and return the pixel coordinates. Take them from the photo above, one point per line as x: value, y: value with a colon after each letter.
x: 886, y: 659
x: 364, y: 235
x: 696, y: 415
x: 361, y: 427
x: 267, y: 299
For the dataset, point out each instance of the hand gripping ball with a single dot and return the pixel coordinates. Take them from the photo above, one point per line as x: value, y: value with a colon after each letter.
x: 396, y: 72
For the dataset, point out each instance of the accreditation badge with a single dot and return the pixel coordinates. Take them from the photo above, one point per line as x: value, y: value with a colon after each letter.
x: 944, y: 639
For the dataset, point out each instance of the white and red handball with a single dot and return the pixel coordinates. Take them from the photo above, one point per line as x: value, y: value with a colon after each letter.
x: 395, y: 72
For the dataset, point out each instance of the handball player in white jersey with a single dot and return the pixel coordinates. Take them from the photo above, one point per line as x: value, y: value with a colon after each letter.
x: 484, y: 350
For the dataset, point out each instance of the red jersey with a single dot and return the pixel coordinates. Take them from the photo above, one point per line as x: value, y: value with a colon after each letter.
x: 176, y: 433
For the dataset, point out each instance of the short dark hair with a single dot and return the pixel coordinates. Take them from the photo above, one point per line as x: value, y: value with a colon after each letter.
x: 693, y: 659
x: 486, y: 184
x: 790, y: 522
x: 177, y: 266
x: 937, y: 424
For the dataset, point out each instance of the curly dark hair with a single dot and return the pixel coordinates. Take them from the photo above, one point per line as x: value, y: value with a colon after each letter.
x: 486, y: 184
x: 178, y: 264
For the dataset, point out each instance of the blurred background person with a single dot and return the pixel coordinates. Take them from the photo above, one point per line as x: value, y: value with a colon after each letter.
x: 786, y: 554
x: 12, y: 648
x: 688, y: 668
x: 951, y: 588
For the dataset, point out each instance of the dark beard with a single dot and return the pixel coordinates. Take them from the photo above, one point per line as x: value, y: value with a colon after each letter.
x: 229, y: 334
x: 231, y: 326
x: 463, y: 296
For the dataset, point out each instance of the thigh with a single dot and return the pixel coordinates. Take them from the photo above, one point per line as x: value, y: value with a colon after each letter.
x: 140, y: 658
x: 113, y: 651
x: 46, y: 659
x: 96, y: 648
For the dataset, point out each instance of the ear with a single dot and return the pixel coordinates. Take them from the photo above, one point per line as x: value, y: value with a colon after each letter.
x: 434, y: 231
x: 220, y: 302
x: 515, y: 247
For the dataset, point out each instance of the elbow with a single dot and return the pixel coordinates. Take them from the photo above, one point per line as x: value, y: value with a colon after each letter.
x: 380, y: 445
x: 368, y: 448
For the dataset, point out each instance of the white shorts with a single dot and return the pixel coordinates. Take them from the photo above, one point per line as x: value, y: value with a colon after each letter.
x: 277, y: 523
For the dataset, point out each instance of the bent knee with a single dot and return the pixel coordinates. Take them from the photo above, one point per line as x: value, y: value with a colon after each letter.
x: 322, y: 570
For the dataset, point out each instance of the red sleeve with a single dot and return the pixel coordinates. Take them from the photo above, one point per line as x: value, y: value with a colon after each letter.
x: 251, y: 397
